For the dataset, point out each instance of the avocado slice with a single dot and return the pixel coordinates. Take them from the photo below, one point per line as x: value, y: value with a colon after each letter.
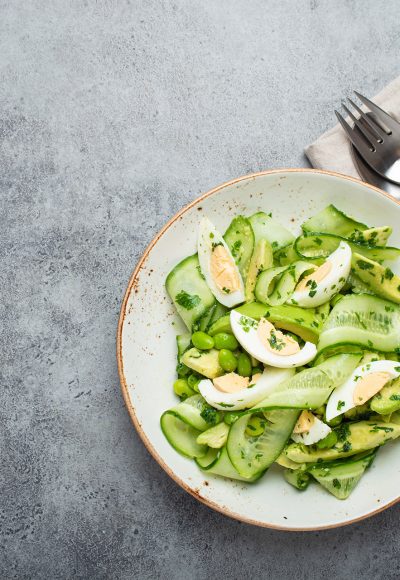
x: 306, y: 323
x: 214, y: 437
x: 203, y: 362
x: 352, y: 439
x: 388, y: 399
x: 381, y: 280
x: 373, y: 236
x: 262, y: 259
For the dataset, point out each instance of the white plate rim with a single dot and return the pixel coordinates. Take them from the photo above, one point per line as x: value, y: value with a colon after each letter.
x: 133, y: 281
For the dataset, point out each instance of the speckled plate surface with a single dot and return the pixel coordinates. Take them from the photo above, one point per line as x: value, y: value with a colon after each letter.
x: 147, y: 357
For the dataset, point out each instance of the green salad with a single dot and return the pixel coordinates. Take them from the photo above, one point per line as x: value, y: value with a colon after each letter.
x: 292, y: 350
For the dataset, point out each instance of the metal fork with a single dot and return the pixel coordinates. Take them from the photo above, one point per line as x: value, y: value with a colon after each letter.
x: 376, y: 136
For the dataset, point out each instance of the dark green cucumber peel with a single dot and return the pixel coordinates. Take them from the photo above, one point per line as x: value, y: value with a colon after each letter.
x: 181, y: 436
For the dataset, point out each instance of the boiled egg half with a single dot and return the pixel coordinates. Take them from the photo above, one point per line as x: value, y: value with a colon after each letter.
x: 309, y: 429
x: 218, y: 266
x: 326, y: 281
x: 269, y: 345
x: 365, y: 382
x: 231, y: 392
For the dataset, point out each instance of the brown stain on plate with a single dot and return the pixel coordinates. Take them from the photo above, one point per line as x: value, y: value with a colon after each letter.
x: 133, y: 286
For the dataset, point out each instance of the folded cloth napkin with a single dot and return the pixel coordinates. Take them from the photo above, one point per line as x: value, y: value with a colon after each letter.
x: 331, y: 151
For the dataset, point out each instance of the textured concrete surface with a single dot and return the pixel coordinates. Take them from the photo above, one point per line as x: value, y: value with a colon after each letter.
x: 113, y: 115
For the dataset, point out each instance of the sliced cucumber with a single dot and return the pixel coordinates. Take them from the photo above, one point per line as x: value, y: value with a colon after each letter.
x: 357, y: 285
x: 311, y: 246
x: 190, y: 411
x: 265, y: 227
x: 221, y: 465
x: 286, y: 256
x: 309, y: 389
x: 362, y: 320
x: 219, y: 311
x: 341, y: 477
x: 339, y: 367
x: 251, y: 456
x: 240, y: 239
x: 182, y: 343
x: 188, y: 291
x: 333, y: 221
x: 181, y: 435
x: 275, y: 285
x: 298, y: 478
x: 208, y: 459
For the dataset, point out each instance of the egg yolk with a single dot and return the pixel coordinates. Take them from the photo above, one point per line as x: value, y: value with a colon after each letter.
x: 368, y: 386
x: 304, y: 422
x: 223, y: 270
x: 317, y: 276
x: 231, y: 383
x: 275, y: 341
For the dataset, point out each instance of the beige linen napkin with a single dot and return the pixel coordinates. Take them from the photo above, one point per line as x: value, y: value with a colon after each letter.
x: 331, y: 151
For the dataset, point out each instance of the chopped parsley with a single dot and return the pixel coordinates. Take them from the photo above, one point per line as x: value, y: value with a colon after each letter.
x: 377, y: 428
x: 226, y: 290
x: 364, y: 265
x: 188, y: 301
x: 394, y: 397
x: 275, y: 342
x: 388, y: 274
x: 236, y: 248
x: 247, y: 323
x: 340, y: 405
x: 336, y: 483
x: 210, y: 415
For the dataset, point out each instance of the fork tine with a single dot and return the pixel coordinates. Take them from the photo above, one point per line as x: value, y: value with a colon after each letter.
x: 358, y: 124
x: 380, y: 114
x: 357, y: 141
x: 376, y: 130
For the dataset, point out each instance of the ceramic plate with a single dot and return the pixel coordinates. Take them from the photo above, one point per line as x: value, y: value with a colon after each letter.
x: 147, y: 355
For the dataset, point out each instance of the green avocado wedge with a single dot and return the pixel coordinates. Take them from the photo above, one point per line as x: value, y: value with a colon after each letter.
x: 353, y: 438
x: 379, y: 279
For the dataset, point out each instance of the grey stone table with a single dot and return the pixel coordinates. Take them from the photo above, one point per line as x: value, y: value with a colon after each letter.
x: 113, y: 115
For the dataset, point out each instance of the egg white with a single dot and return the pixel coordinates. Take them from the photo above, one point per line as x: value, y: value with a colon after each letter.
x: 341, y: 399
x: 209, y: 235
x: 318, y: 430
x: 331, y: 284
x: 247, y: 336
x: 269, y: 380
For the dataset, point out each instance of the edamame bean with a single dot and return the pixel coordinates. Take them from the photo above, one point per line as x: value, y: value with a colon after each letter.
x: 202, y: 340
x: 255, y: 426
x: 227, y: 360
x: 244, y: 365
x: 225, y: 340
x: 182, y: 389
